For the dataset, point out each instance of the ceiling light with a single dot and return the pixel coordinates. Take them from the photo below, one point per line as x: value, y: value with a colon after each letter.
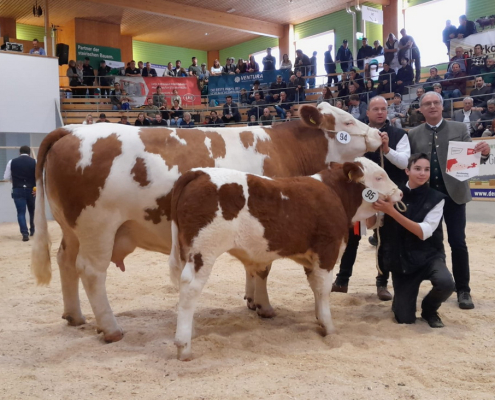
x: 206, y: 34
x: 231, y: 10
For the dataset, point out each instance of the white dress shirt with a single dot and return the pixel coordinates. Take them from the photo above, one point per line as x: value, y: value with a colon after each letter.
x: 466, y: 120
x: 401, y: 154
x: 432, y: 219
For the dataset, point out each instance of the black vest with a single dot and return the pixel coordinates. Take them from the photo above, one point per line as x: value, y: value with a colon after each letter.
x: 397, y: 175
x: 403, y: 251
x: 23, y: 172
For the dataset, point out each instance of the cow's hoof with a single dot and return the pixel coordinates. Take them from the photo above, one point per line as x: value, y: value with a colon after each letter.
x: 74, y: 321
x: 267, y: 312
x: 183, y: 351
x: 114, y: 336
x: 250, y: 303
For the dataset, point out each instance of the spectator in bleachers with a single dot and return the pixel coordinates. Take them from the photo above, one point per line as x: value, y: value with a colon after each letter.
x: 230, y: 66
x: 204, y: 74
x: 207, y: 120
x: 377, y: 49
x: 88, y: 120
x: 447, y: 104
x: 343, y: 85
x: 351, y: 91
x: 302, y: 63
x: 148, y: 71
x: 177, y: 68
x: 286, y: 63
x: 489, y: 115
x: 357, y: 108
x: 489, y: 73
x: 37, y: 50
x: 481, y: 94
x: 470, y: 117
x: 75, y: 74
x: 369, y: 91
x: 356, y: 80
x: 288, y: 116
x: 415, y: 115
x: 459, y: 58
x: 391, y: 52
x: 256, y: 89
x: 257, y: 105
x: 230, y: 111
x: 150, y: 108
x: 291, y: 88
x: 158, y: 97
x: 397, y: 112
x: 386, y: 80
x: 434, y: 77
x: 169, y: 70
x: 103, y: 118
x: 450, y: 32
x: 252, y: 65
x: 176, y: 97
x: 490, y: 130
x: 176, y: 113
x: 244, y: 97
x: 325, y: 96
x: 312, y: 70
x: 194, y: 68
x: 344, y: 57
x: 125, y: 102
x: 253, y: 121
x: 140, y: 67
x: 330, y: 66
x: 187, y: 121
x: 365, y: 51
x: 466, y: 28
x: 283, y: 106
x: 89, y: 76
x: 478, y: 60
x: 216, y: 69
x: 454, y: 84
x: 240, y: 67
x: 214, y: 120
x: 104, y: 71
x: 131, y: 70
x: 268, y: 61
x: 405, y: 76
x: 300, y: 86
x: 410, y: 50
x: 266, y: 119
x: 275, y: 89
x: 141, y: 120
x: 182, y: 73
x: 123, y: 120
x: 340, y: 104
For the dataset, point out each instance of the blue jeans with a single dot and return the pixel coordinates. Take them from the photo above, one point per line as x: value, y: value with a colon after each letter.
x: 281, y: 113
x: 452, y: 94
x: 23, y: 198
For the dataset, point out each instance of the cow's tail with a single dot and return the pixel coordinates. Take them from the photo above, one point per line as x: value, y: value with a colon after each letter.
x: 176, y: 262
x: 40, y: 255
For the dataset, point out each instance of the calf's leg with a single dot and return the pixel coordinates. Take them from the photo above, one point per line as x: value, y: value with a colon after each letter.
x: 250, y: 288
x: 320, y: 281
x: 261, y: 300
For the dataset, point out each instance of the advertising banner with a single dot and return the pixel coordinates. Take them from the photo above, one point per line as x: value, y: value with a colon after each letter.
x: 139, y: 89
x: 221, y: 86
x: 96, y: 54
x: 485, y: 38
x: 483, y: 185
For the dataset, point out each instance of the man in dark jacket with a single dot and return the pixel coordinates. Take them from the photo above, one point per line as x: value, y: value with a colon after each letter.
x: 268, y: 60
x: 21, y: 171
x: 89, y: 76
x: 275, y: 89
x: 365, y: 51
x: 450, y: 32
x: 386, y: 80
x: 412, y: 246
x: 466, y: 28
x: 344, y: 56
x: 230, y: 111
x: 104, y: 71
x: 330, y: 67
x: 480, y: 94
x: 405, y: 76
x: 148, y: 71
x: 302, y: 63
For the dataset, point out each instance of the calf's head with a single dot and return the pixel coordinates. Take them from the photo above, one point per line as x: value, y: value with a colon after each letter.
x: 347, y: 137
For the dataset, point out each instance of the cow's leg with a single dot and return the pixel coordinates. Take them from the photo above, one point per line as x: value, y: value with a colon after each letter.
x: 320, y: 281
x: 92, y: 262
x: 69, y: 279
x: 250, y: 288
x: 261, y: 299
x: 192, y: 281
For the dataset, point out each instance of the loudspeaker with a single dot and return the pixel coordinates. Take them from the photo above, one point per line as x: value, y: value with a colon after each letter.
x: 62, y: 52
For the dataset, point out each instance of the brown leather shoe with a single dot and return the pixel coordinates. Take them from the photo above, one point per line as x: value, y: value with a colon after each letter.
x: 383, y: 293
x: 339, y: 289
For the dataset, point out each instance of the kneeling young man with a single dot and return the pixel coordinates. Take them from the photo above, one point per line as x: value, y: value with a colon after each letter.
x: 412, y: 246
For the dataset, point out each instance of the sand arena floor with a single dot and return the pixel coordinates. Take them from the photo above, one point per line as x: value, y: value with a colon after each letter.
x: 236, y: 354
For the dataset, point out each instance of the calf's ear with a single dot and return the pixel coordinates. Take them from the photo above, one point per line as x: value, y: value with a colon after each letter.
x: 310, y: 116
x: 353, y: 171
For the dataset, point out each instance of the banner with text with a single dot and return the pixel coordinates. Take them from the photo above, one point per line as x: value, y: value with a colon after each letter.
x: 221, y: 86
x: 96, y: 54
x: 483, y: 185
x: 486, y: 39
x: 139, y: 89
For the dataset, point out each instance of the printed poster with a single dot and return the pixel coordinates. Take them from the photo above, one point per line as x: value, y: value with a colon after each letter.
x: 463, y: 162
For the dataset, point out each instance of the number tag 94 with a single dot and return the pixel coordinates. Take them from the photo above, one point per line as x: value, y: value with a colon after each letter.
x: 343, y: 137
x: 370, y: 195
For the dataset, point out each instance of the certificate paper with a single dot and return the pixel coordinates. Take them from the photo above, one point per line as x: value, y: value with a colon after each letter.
x: 462, y: 161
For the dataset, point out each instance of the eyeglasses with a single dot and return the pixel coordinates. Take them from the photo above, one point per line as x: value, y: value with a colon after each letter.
x: 431, y: 103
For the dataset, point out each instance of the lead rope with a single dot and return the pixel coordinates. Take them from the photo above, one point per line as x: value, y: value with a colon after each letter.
x: 399, y: 205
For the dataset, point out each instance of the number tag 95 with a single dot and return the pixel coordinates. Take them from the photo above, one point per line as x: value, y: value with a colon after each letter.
x: 343, y: 137
x: 370, y: 195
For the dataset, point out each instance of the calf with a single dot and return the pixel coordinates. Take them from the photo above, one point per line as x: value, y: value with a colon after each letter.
x: 259, y: 220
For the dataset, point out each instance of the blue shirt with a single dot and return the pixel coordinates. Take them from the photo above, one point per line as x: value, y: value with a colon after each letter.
x: 40, y: 51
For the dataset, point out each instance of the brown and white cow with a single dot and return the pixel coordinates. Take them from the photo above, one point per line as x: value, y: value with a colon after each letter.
x: 259, y: 219
x: 109, y: 187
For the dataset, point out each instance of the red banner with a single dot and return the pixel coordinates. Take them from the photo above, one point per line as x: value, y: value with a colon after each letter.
x: 139, y: 89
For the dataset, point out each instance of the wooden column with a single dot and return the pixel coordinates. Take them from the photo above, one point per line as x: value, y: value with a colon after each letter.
x: 50, y: 51
x: 286, y: 42
x: 212, y: 56
x: 8, y: 27
x: 391, y: 19
x: 126, y: 48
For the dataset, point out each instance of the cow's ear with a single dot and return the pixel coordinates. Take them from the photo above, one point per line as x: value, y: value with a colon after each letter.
x: 310, y: 116
x: 353, y: 171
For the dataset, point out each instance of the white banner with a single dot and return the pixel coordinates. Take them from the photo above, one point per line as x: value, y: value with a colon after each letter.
x: 485, y: 38
x: 483, y: 185
x: 371, y: 14
x: 463, y: 162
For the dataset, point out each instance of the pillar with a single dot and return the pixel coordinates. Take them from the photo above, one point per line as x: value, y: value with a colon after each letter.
x: 212, y: 56
x: 286, y: 42
x: 8, y: 27
x: 391, y: 19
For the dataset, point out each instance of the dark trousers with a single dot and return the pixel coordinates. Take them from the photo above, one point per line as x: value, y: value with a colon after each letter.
x: 233, y: 119
x: 333, y: 78
x: 417, y: 67
x: 454, y: 216
x: 349, y: 258
x: 23, y: 198
x: 406, y: 289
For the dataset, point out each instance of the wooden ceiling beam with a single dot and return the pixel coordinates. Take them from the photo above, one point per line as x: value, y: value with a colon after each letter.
x: 200, y: 15
x: 381, y: 2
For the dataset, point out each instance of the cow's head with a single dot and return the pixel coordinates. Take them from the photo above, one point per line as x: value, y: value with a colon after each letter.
x: 347, y: 137
x: 377, y: 185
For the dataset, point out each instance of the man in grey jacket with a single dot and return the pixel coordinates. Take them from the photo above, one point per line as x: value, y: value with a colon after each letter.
x: 470, y: 117
x: 433, y: 138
